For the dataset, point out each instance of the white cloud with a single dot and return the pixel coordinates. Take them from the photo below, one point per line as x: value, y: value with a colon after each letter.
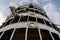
x: 11, y: 3
x: 57, y: 17
x: 52, y: 12
x: 36, y: 1
x: 2, y: 19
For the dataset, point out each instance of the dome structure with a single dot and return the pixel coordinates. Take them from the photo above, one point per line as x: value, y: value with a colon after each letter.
x: 28, y: 22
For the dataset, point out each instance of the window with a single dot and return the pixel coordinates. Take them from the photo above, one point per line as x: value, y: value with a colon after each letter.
x: 53, y: 25
x: 45, y: 35
x: 16, y: 19
x: 40, y: 20
x: 23, y: 18
x: 47, y: 23
x: 19, y: 34
x: 0, y: 33
x: 8, y: 22
x: 55, y: 36
x: 32, y: 19
x: 33, y: 34
x: 7, y: 35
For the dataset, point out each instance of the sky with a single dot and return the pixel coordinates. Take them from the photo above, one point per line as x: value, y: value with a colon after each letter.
x: 52, y: 8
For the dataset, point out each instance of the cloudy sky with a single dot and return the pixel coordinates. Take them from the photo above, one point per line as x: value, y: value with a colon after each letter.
x: 52, y: 8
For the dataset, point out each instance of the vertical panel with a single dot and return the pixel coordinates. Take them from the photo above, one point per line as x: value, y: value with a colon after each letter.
x: 7, y: 35
x: 0, y: 33
x: 19, y: 34
x: 55, y: 36
x: 45, y: 35
x: 33, y: 34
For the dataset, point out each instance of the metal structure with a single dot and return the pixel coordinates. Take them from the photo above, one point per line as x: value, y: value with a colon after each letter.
x: 28, y: 22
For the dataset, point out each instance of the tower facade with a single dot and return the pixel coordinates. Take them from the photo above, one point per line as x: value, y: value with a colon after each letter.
x: 28, y: 22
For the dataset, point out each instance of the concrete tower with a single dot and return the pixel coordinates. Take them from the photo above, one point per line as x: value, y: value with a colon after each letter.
x: 28, y: 22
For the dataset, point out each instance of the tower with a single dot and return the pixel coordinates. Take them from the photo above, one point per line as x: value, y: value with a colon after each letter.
x: 28, y: 22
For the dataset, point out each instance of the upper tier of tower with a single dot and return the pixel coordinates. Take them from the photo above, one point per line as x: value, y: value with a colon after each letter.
x: 26, y: 7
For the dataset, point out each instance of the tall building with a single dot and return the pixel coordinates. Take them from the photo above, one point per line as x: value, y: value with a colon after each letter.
x: 28, y: 22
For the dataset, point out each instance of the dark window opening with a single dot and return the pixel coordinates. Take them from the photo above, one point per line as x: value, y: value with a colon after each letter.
x: 33, y: 34
x: 23, y: 19
x: 18, y: 9
x: 47, y: 23
x: 46, y: 15
x: 26, y: 9
x: 2, y: 25
x: 42, y: 14
x: 8, y: 22
x: 32, y: 18
x: 55, y: 36
x: 16, y: 19
x: 45, y: 35
x: 36, y: 8
x: 36, y: 11
x: 40, y: 20
x: 53, y: 25
x: 0, y: 33
x: 19, y: 34
x: 7, y: 35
